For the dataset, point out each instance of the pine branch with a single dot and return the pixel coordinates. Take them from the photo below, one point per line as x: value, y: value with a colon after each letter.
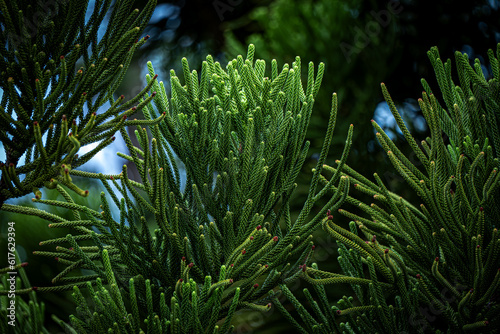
x: 217, y: 246
x: 445, y: 245
x: 50, y: 103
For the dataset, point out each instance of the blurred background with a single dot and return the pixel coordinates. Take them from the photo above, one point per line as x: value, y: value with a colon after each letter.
x: 362, y: 43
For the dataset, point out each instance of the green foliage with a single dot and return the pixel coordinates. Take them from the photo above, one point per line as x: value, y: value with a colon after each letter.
x: 184, y: 254
x: 217, y: 245
x: 22, y: 316
x: 443, y: 255
x: 55, y: 73
x: 332, y: 32
x: 191, y: 307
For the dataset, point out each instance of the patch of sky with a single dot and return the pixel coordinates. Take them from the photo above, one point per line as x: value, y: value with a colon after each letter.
x: 185, y: 41
x: 49, y: 86
x: 17, y: 89
x: 105, y: 161
x: 164, y: 11
x: 168, y: 13
x: 166, y: 34
x: 104, y: 24
x: 409, y: 111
